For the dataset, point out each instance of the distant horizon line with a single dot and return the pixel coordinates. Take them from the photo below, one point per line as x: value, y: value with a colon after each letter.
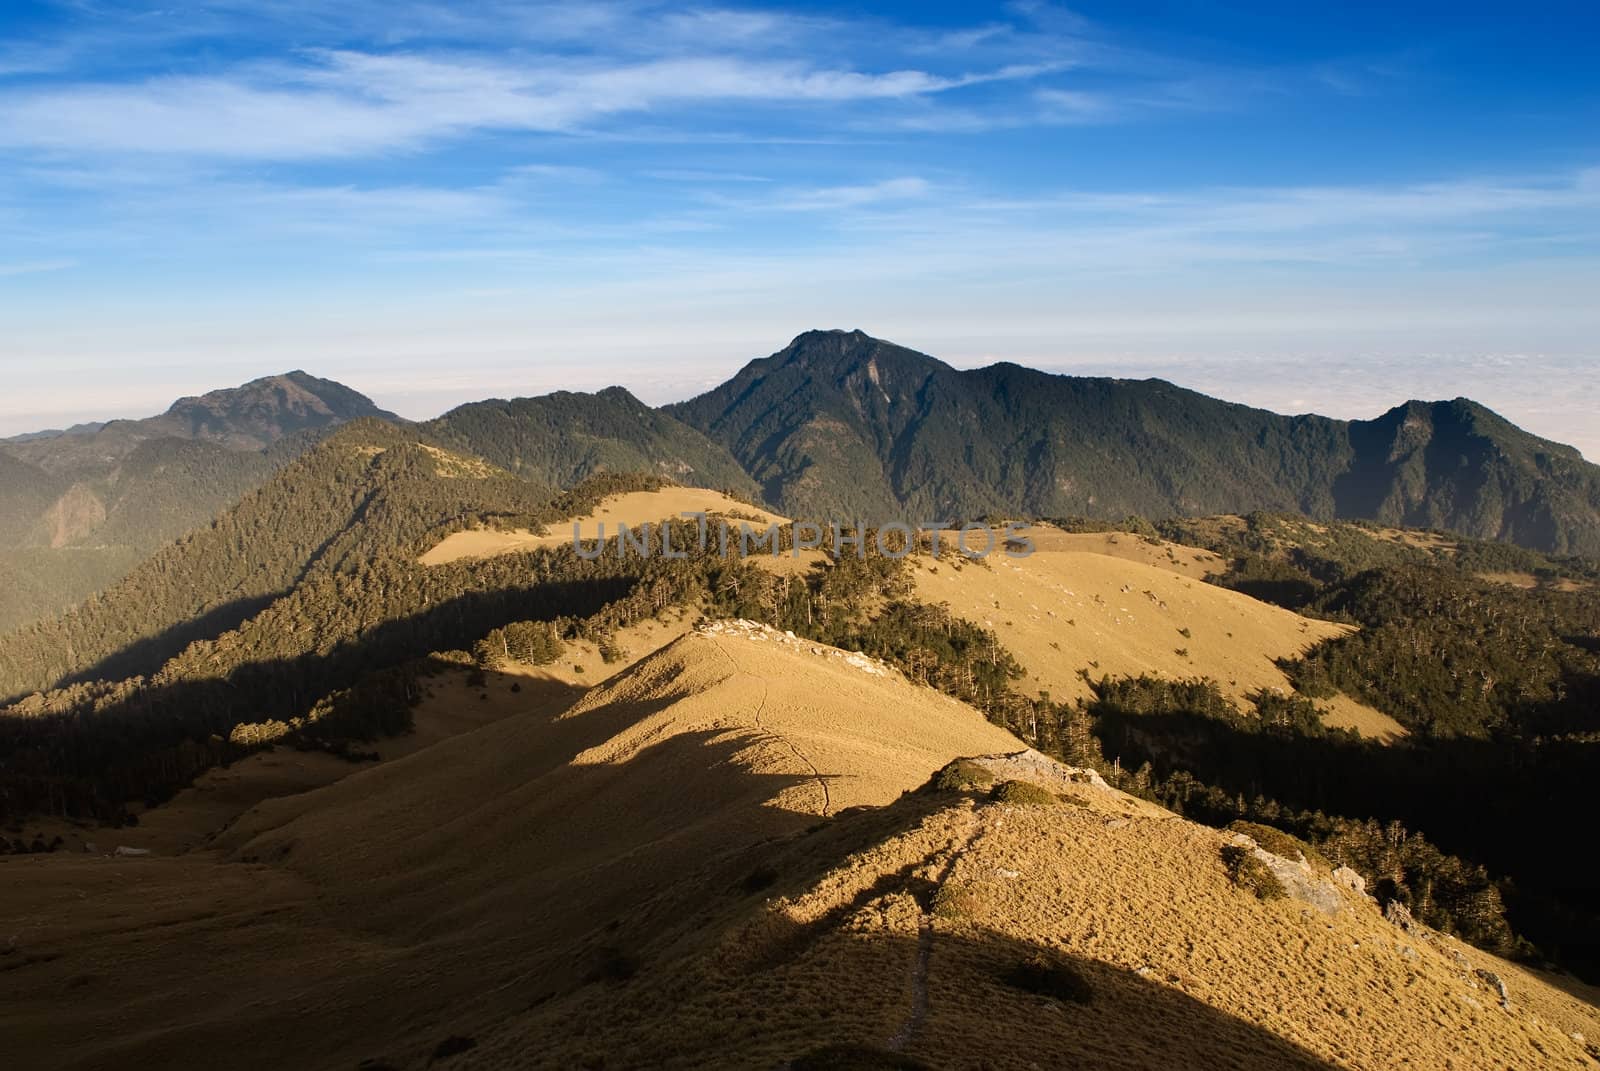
x: 37, y: 423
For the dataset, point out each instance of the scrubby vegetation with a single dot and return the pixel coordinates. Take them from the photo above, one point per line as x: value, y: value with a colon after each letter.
x: 1024, y: 793
x: 1498, y: 684
x: 864, y: 604
x: 955, y: 902
x: 1203, y: 758
x: 1279, y: 843
x: 1250, y: 873
x: 962, y: 775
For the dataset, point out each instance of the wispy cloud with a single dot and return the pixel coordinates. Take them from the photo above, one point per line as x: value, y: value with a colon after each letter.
x: 33, y: 267
x: 409, y: 77
x: 345, y: 103
x: 702, y: 176
x: 835, y: 198
x: 433, y: 177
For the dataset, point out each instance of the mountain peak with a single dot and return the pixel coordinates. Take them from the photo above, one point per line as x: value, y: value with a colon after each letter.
x: 563, y: 437
x: 839, y: 353
x: 829, y: 334
x: 825, y: 343
x: 284, y: 388
x: 841, y: 423
x: 266, y: 409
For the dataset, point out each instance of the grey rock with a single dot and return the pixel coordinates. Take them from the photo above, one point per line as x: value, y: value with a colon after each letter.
x: 1350, y: 880
x: 1496, y: 983
x: 1296, y: 877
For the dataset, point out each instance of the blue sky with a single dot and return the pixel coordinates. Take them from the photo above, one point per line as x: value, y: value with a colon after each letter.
x: 436, y: 202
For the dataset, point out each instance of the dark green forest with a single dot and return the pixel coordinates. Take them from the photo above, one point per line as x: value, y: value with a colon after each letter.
x: 563, y: 438
x: 369, y: 491
x: 80, y: 508
x: 1498, y: 684
x: 839, y: 425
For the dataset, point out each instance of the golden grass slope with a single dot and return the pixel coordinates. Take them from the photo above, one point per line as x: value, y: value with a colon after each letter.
x: 711, y: 859
x: 632, y: 509
x: 897, y: 929
x: 795, y: 728
x: 1109, y: 603
x: 1120, y: 606
x: 445, y: 890
x: 451, y: 705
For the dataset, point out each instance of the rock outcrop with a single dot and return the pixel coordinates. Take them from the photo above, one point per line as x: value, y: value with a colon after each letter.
x: 1298, y: 877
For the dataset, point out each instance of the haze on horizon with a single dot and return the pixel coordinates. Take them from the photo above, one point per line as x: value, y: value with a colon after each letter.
x: 1310, y: 211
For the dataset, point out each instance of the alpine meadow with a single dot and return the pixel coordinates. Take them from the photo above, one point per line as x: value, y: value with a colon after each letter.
x: 1192, y: 659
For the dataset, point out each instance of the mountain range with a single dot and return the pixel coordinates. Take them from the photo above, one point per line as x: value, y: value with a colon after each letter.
x: 370, y: 767
x: 671, y: 834
x: 80, y: 507
x: 838, y: 421
x: 147, y: 481
x: 837, y: 425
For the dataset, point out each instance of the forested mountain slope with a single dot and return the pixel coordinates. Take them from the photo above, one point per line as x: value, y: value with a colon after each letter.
x: 559, y: 439
x: 843, y: 424
x: 79, y: 507
x: 1458, y: 466
x: 367, y: 491
x: 26, y: 491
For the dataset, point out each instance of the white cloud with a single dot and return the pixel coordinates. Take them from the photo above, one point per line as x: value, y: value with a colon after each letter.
x: 1076, y: 106
x: 836, y: 198
x: 700, y: 175
x: 33, y: 267
x: 345, y: 103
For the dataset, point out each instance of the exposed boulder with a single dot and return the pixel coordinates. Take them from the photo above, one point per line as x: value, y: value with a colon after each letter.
x: 1031, y: 765
x: 1298, y: 878
x: 1350, y: 880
